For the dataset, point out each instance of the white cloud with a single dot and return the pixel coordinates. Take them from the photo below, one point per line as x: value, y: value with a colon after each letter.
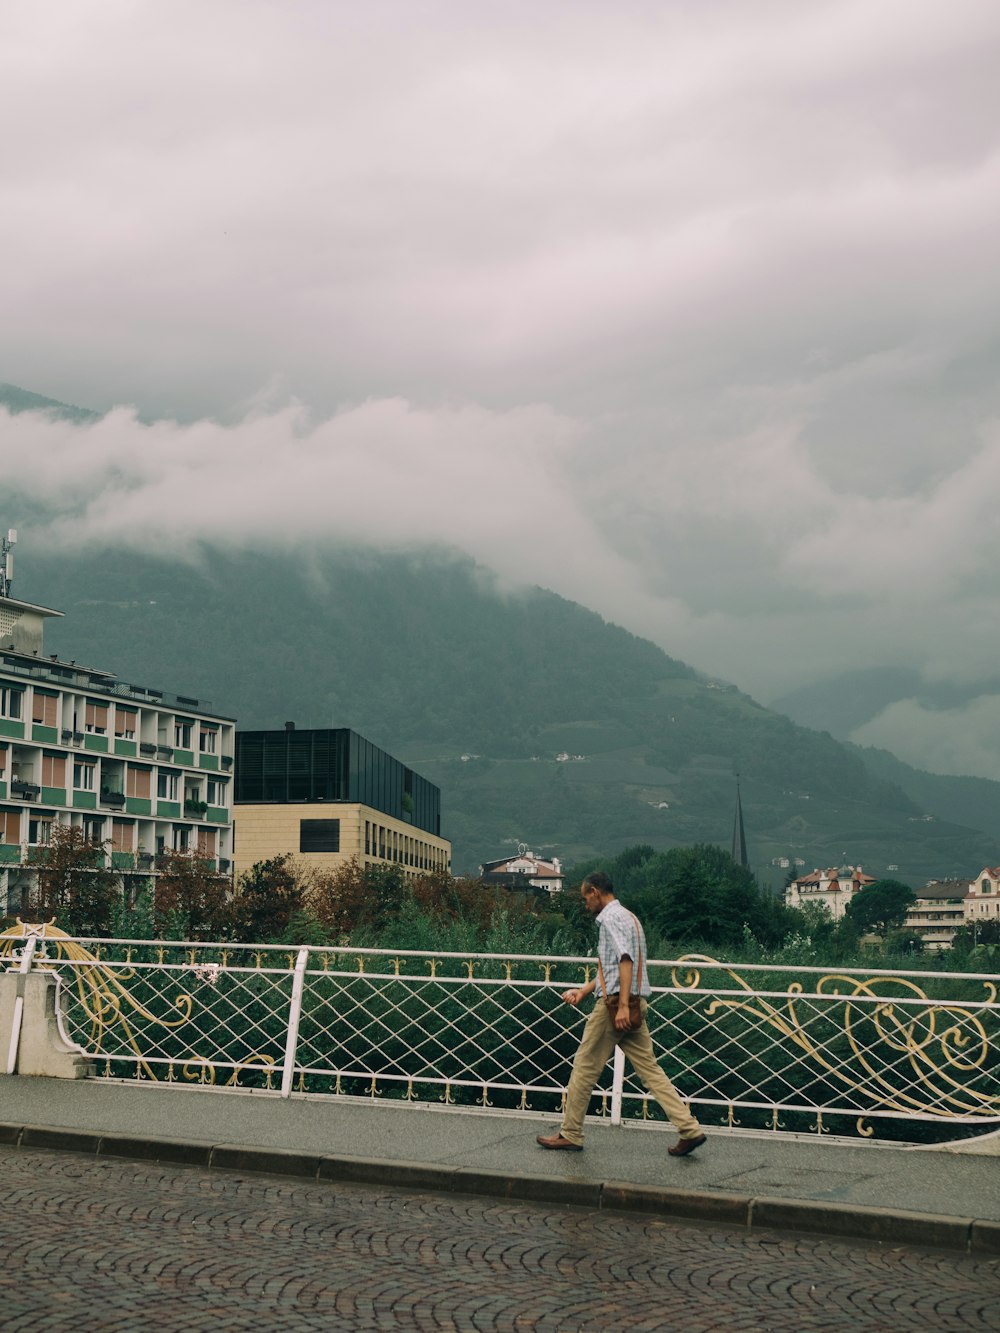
x: 687, y: 310
x: 960, y: 741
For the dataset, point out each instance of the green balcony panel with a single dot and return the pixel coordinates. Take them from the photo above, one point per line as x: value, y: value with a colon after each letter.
x: 208, y: 761
x: 217, y: 815
x: 122, y: 860
x: 8, y: 727
x: 125, y: 747
x: 10, y: 853
x: 3, y: 791
x: 40, y: 733
x: 99, y: 743
x: 184, y: 757
x: 138, y: 805
x: 85, y: 800
x: 168, y: 809
x: 54, y: 795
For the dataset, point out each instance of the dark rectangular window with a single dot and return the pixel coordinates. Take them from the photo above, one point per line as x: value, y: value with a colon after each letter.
x: 319, y: 835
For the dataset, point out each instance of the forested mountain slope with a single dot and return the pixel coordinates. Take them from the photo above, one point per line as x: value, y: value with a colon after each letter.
x: 540, y: 722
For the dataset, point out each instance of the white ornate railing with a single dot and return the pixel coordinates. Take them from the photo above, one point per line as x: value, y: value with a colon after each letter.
x: 863, y: 1051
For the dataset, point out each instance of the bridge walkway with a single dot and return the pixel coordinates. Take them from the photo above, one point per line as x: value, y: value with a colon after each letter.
x: 912, y: 1195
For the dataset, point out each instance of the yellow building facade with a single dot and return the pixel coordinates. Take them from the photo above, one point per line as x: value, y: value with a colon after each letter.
x: 374, y: 838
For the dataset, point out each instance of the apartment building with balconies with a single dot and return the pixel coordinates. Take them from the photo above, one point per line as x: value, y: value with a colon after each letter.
x: 138, y: 770
x: 938, y: 912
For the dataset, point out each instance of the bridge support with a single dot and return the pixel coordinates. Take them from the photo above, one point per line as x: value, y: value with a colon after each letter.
x: 30, y: 1039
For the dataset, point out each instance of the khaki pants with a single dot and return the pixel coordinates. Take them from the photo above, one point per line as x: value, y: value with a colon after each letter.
x: 595, y: 1048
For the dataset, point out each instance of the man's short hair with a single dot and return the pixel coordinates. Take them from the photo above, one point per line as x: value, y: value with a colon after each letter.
x: 598, y: 880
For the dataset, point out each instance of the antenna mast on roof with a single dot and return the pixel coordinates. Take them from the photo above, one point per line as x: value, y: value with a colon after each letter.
x: 7, y: 561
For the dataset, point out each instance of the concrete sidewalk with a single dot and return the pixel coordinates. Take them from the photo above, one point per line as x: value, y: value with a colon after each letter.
x: 904, y: 1195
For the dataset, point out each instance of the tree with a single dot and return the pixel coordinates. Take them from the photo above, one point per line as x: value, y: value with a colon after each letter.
x: 191, y: 900
x: 74, y: 884
x: 268, y: 896
x: 903, y: 941
x: 880, y: 907
x: 976, y: 933
x: 354, y: 895
x: 701, y: 895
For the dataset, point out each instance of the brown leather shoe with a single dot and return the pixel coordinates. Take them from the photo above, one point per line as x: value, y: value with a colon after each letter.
x: 557, y: 1141
x: 683, y: 1146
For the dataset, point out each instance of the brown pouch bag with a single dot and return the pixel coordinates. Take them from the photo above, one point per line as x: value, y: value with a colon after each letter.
x: 634, y: 1011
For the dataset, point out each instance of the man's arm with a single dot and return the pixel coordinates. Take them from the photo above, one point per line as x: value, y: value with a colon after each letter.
x: 581, y: 993
x: 624, y: 991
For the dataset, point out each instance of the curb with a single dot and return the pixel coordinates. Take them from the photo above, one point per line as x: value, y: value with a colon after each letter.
x: 846, y: 1221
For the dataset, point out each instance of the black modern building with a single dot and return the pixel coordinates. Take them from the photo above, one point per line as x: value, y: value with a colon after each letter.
x: 331, y: 765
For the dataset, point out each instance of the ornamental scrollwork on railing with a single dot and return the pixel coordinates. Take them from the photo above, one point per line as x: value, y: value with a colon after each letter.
x: 941, y: 1045
x: 105, y: 1001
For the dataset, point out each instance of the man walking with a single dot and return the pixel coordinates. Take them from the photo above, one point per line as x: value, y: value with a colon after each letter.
x: 621, y: 948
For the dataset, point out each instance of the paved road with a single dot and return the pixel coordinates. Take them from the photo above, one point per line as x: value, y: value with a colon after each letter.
x: 105, y: 1244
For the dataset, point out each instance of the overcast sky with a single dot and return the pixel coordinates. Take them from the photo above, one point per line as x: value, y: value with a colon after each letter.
x: 688, y: 310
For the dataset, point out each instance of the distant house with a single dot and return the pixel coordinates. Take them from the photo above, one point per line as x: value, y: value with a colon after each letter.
x: 524, y: 871
x: 982, y: 902
x: 833, y: 888
x: 938, y: 912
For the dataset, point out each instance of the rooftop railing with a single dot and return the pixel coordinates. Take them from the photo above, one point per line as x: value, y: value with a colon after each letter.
x: 879, y: 1053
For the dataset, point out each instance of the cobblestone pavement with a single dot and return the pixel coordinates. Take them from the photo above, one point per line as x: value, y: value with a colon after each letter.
x: 99, y: 1244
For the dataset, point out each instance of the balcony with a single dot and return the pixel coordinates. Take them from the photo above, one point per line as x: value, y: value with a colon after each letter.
x: 28, y: 791
x: 116, y: 799
x: 196, y: 809
x: 146, y: 748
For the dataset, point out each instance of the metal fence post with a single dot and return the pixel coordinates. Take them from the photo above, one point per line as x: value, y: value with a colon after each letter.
x: 294, y: 1013
x: 27, y: 953
x: 617, y: 1083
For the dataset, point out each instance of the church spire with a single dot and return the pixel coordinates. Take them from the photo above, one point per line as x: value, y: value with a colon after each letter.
x: 739, y: 836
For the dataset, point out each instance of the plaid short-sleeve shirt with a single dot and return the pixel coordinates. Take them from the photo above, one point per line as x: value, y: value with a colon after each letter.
x: 621, y: 933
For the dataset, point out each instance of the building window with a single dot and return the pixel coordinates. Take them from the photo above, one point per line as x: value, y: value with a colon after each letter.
x: 166, y: 786
x: 54, y: 770
x: 138, y: 783
x: 39, y: 832
x: 125, y: 723
x: 95, y: 718
x: 319, y: 835
x: 215, y: 791
x: 10, y: 702
x: 83, y: 777
x: 182, y: 735
x: 182, y: 838
x: 122, y: 835
x: 93, y: 829
x: 986, y: 887
x: 10, y: 826
x: 44, y: 709
x: 207, y: 841
x: 207, y: 740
